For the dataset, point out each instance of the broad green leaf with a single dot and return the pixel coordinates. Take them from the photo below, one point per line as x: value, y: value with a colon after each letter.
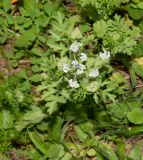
x: 34, y: 116
x: 30, y: 117
x: 136, y: 152
x: 67, y: 156
x: 22, y: 74
x: 38, y: 143
x: 55, y: 128
x: 9, y: 19
x: 137, y: 69
x: 80, y: 133
x: 69, y: 28
x: 55, y: 151
x: 141, y: 26
x: 91, y: 152
x: 132, y: 131
x: 27, y: 37
x: 19, y: 54
x: 106, y: 152
x: 118, y: 110
x: 102, y: 153
x: 50, y: 7
x: 134, y: 12
x: 84, y: 28
x: 138, y: 51
x: 135, y: 116
x: 36, y: 68
x: 52, y: 107
x: 1, y: 20
x: 35, y: 78
x: 19, y: 20
x: 6, y: 5
x: 42, y: 39
x: 43, y: 20
x: 43, y: 126
x: 25, y: 85
x: 140, y: 5
x: 86, y: 126
x: 27, y: 24
x: 35, y: 60
x: 3, y: 38
x: 31, y: 8
x: 36, y: 52
x: 133, y: 77
x: 120, y: 150
x: 35, y: 155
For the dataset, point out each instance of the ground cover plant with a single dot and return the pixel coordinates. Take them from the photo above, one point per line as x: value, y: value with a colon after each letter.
x: 71, y: 79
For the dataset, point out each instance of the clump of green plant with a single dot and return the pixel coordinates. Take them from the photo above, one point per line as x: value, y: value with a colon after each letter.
x: 104, y: 8
x: 64, y: 76
x: 117, y: 35
x: 77, y: 76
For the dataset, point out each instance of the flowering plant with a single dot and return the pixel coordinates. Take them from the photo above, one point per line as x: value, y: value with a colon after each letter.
x: 78, y: 75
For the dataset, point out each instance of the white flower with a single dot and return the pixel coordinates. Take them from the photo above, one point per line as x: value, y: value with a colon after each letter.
x: 73, y: 83
x: 65, y: 68
x: 75, y: 46
x: 80, y: 67
x: 94, y: 73
x: 75, y: 64
x: 83, y: 57
x: 80, y: 70
x: 104, y: 55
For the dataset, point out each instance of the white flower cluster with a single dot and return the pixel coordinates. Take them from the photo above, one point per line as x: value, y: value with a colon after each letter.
x: 75, y: 46
x: 94, y: 73
x: 73, y: 83
x: 65, y: 68
x: 83, y: 57
x: 104, y: 55
x: 77, y: 66
x: 80, y: 69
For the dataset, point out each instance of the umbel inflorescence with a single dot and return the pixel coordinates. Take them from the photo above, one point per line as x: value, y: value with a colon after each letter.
x: 78, y: 67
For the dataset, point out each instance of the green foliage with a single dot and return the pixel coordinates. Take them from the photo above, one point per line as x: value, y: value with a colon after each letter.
x: 104, y: 8
x: 6, y: 119
x: 31, y: 117
x: 135, y: 116
x: 62, y: 94
x: 38, y: 142
x: 117, y: 35
x: 135, y: 9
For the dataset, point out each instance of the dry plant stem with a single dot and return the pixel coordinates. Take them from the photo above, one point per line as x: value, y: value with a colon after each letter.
x: 11, y: 31
x: 74, y: 142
